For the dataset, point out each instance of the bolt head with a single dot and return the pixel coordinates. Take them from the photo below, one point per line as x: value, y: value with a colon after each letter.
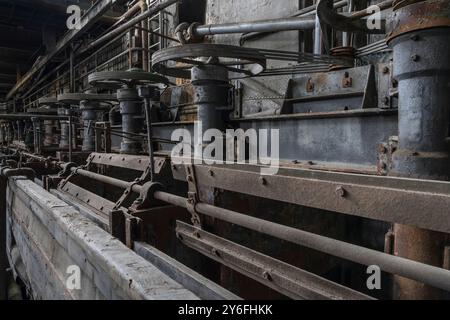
x: 340, y: 191
x: 266, y: 275
x: 215, y: 252
x: 145, y: 92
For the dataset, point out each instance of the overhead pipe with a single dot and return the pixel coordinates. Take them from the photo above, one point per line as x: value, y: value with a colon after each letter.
x: 272, y: 25
x: 131, y: 23
x: 308, y: 11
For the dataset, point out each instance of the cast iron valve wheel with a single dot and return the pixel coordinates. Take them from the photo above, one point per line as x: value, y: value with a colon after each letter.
x: 127, y: 79
x: 178, y: 61
x: 76, y: 98
x: 126, y: 83
x: 91, y: 106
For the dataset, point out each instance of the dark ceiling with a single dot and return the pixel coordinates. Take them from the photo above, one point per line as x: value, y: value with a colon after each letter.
x: 29, y: 29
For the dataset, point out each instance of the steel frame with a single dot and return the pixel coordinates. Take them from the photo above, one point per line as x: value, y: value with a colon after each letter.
x: 421, y: 203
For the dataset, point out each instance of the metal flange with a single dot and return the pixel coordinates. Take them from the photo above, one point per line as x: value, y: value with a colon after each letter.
x: 397, y: 4
x: 178, y: 61
x: 119, y: 79
x: 419, y: 16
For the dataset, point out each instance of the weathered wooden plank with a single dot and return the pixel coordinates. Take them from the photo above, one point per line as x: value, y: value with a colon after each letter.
x: 190, y: 279
x: 115, y: 270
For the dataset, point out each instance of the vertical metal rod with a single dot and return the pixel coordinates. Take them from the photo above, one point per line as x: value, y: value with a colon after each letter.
x: 346, y: 35
x: 70, y: 136
x: 148, y: 116
x: 145, y: 35
x: 71, y: 69
x: 317, y: 37
x: 3, y: 256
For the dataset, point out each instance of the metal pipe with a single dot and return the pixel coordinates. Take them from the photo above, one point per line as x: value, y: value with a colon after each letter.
x: 422, y: 68
x: 346, y: 36
x: 21, y: 116
x: 4, y: 265
x: 144, y: 35
x: 272, y: 25
x: 437, y: 277
x: 72, y: 68
x: 311, y: 10
x: 131, y: 23
x: 105, y: 179
x: 148, y: 118
x: 428, y: 274
x: 308, y: 11
x: 70, y: 138
x: 317, y: 36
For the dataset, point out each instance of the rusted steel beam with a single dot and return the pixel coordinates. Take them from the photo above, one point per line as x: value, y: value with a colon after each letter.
x: 100, y: 205
x: 436, y: 277
x: 282, y: 277
x: 138, y: 163
x: 420, y: 203
x: 427, y: 274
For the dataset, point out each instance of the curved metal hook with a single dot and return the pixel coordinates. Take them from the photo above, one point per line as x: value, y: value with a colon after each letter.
x: 328, y: 16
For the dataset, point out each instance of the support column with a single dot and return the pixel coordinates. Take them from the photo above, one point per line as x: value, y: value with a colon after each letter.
x: 420, y: 39
x: 3, y: 256
x: 131, y: 111
x: 211, y: 96
x: 90, y: 115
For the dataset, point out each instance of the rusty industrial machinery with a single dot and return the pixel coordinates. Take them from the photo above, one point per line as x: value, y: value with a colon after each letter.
x: 172, y: 150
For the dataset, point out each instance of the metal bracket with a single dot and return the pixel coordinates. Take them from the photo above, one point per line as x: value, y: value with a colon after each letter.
x: 102, y: 134
x: 67, y: 170
x: 146, y: 199
x: 446, y: 264
x: 193, y: 197
x: 133, y: 230
x: 347, y: 81
x: 310, y: 85
x: 117, y: 224
x: 145, y: 176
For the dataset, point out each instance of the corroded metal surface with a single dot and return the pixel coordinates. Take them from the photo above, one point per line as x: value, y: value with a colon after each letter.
x: 420, y: 16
